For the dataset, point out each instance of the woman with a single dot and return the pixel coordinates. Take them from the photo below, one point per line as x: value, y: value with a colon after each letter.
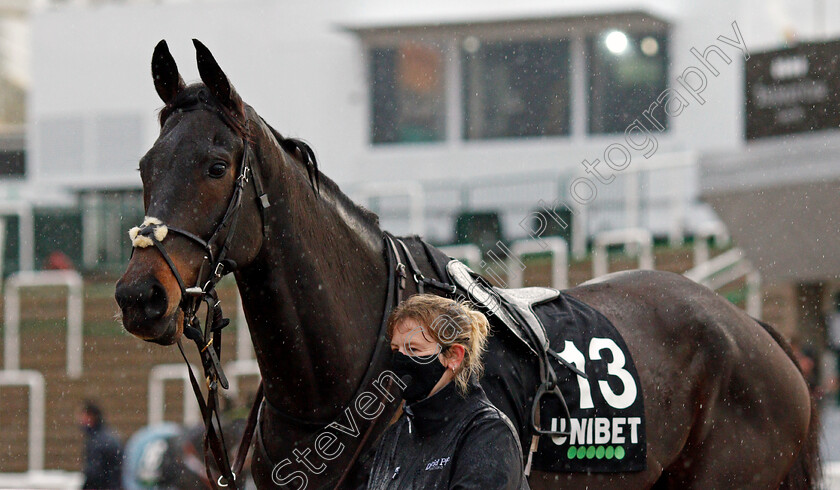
x: 449, y: 435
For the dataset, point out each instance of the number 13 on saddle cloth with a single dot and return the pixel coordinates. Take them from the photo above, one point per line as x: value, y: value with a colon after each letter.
x: 605, y: 429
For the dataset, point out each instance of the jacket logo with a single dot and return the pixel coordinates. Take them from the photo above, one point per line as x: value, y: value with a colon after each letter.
x: 437, y: 464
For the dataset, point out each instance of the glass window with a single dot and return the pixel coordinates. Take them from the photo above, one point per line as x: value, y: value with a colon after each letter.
x: 627, y: 72
x: 12, y: 163
x: 407, y: 93
x: 515, y: 89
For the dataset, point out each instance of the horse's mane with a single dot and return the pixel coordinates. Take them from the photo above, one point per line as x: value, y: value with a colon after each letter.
x: 297, y: 148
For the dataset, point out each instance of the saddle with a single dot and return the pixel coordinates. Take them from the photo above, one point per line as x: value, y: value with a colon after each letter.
x: 515, y: 309
x: 499, y: 302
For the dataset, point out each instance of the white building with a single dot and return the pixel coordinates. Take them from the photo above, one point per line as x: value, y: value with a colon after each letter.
x: 480, y: 106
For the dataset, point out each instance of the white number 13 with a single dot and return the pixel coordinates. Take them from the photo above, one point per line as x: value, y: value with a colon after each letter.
x: 614, y: 368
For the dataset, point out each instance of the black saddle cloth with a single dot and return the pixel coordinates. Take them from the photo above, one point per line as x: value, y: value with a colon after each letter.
x: 607, y: 425
x: 607, y: 410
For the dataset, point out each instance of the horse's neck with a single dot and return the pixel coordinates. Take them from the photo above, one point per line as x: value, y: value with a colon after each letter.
x: 314, y: 299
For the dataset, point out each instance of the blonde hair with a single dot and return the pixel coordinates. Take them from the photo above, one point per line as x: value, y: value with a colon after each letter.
x: 448, y: 322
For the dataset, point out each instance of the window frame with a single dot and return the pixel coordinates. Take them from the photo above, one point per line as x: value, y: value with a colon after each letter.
x: 445, y: 80
x: 451, y: 36
x: 14, y: 142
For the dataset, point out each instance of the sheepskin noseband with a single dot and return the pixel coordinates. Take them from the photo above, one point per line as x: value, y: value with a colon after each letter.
x: 139, y: 240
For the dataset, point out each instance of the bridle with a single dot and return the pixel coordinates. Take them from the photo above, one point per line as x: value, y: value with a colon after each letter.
x: 208, y: 340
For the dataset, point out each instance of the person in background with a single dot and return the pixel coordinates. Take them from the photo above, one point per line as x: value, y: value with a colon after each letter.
x: 449, y: 435
x: 103, y: 452
x: 58, y: 261
x: 807, y: 364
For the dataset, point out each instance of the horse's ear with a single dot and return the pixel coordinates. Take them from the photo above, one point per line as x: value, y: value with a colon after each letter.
x: 168, y: 81
x: 215, y: 79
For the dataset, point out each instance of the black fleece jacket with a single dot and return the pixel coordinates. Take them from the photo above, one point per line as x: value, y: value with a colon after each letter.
x: 450, y: 441
x: 103, y: 459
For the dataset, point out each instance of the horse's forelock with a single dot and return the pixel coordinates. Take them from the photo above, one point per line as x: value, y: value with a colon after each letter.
x: 197, y: 96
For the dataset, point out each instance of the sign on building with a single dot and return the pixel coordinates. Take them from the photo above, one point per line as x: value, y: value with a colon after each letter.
x: 793, y: 90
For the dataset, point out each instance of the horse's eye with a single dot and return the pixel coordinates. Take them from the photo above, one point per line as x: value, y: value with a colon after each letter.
x: 217, y: 170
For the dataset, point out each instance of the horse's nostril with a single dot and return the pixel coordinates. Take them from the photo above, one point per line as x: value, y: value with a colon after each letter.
x: 123, y: 297
x: 155, y: 304
x: 142, y: 300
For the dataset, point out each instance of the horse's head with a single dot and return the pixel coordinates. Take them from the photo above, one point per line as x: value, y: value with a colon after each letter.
x: 189, y: 179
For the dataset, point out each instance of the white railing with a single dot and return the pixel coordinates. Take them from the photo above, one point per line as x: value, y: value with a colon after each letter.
x: 412, y: 190
x: 579, y: 231
x: 726, y: 268
x: 717, y: 231
x: 237, y: 369
x: 40, y: 5
x: 831, y: 476
x: 157, y: 376
x: 659, y: 194
x: 35, y: 381
x: 29, y: 279
x: 677, y: 208
x: 556, y: 246
x: 627, y: 237
x: 468, y: 253
x: 46, y: 480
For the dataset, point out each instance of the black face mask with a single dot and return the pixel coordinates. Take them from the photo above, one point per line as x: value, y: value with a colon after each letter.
x: 420, y: 374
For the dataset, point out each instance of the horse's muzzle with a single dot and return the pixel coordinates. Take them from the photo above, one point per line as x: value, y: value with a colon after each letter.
x: 145, y: 310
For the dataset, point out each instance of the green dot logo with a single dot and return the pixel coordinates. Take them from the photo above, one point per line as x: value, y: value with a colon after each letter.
x: 619, y: 452
x: 609, y: 452
x: 571, y: 453
x: 581, y: 452
x: 599, y: 453
x: 590, y: 452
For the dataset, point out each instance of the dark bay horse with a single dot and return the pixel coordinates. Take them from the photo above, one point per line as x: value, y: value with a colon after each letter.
x: 726, y: 404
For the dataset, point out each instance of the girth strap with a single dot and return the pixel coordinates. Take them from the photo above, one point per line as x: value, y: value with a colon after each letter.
x: 421, y: 280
